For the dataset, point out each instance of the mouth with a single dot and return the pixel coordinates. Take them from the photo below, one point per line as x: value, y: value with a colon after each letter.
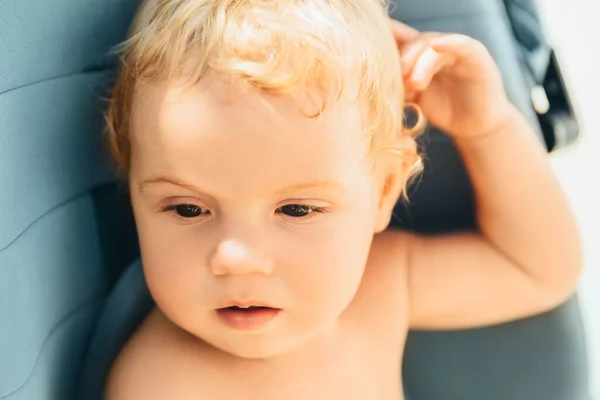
x: 250, y: 317
x: 249, y: 308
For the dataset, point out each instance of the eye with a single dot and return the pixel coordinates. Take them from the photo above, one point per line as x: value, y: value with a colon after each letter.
x: 187, y: 210
x: 298, y: 210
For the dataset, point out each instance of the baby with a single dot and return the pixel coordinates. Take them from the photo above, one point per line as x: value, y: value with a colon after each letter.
x: 265, y: 148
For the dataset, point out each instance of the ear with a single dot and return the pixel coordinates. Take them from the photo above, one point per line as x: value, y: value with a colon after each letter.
x: 390, y: 187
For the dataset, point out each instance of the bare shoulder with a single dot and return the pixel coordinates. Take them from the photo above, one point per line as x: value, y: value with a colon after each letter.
x: 382, y: 298
x: 390, y: 248
x: 157, y: 364
x: 387, y: 265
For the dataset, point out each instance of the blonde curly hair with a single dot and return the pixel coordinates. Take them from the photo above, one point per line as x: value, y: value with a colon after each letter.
x: 275, y: 46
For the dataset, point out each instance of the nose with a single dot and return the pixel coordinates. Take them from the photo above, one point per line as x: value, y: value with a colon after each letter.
x: 232, y: 257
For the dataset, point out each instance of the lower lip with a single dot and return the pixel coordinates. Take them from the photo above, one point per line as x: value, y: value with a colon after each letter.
x: 247, y: 320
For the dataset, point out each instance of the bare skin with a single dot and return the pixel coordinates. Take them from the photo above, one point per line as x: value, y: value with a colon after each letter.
x: 349, y: 289
x: 359, y: 359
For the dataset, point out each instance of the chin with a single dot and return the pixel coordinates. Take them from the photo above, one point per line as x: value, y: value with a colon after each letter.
x: 257, y: 348
x: 253, y: 353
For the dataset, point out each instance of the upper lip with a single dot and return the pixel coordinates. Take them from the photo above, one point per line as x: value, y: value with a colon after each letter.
x: 244, y: 304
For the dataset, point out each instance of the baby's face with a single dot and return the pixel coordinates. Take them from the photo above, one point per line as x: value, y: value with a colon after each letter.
x: 241, y: 199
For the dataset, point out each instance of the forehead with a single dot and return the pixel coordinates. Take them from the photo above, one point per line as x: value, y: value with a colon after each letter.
x: 243, y: 138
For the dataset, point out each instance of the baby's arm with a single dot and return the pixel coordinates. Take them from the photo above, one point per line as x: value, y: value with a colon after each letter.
x: 525, y: 257
x: 524, y: 260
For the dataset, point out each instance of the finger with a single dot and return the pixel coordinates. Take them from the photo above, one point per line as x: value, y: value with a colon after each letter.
x: 462, y: 46
x: 409, y: 55
x: 402, y: 32
x: 430, y: 63
x: 411, y: 51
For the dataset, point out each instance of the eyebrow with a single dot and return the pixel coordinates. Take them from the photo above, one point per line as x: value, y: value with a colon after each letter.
x: 142, y: 186
x: 161, y: 179
x: 331, y: 186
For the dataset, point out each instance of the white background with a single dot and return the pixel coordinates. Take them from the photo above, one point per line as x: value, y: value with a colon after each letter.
x: 573, y: 26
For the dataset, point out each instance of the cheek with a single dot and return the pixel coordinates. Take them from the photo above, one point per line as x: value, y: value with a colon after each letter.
x: 327, y: 268
x: 172, y: 260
